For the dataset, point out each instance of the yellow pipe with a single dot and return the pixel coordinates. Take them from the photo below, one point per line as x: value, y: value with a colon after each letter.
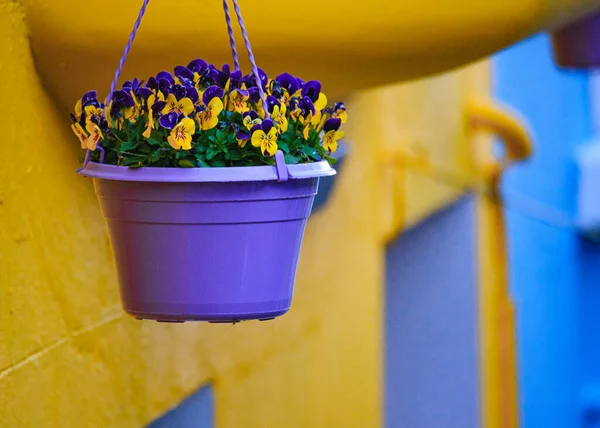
x: 497, y: 333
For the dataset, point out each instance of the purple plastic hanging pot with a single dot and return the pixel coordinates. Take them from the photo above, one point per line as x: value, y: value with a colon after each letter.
x: 207, y: 244
x: 576, y: 45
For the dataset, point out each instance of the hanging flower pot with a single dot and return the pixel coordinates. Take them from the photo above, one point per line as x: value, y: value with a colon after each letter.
x: 206, y: 178
x: 575, y: 45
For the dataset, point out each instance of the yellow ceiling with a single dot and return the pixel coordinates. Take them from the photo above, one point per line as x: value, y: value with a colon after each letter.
x: 348, y: 45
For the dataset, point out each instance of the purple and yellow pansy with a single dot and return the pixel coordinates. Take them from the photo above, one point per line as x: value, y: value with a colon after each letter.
x: 201, y: 105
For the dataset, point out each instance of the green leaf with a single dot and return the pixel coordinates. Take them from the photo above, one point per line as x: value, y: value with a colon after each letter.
x: 155, y: 138
x: 292, y: 160
x: 155, y: 156
x: 218, y: 163
x: 186, y: 163
x: 211, y: 153
x: 203, y: 164
x: 127, y: 146
x: 285, y: 148
x: 310, y: 152
x: 234, y: 155
x: 212, y: 138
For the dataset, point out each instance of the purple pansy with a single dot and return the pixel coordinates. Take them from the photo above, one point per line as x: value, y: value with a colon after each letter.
x: 178, y: 91
x: 210, y: 93
x: 132, y: 85
x: 307, y: 106
x: 288, y: 82
x: 221, y: 77
x: 312, y: 90
x: 198, y: 66
x: 250, y: 80
x: 169, y: 120
x: 101, y: 122
x: 191, y: 93
x: 242, y: 134
x: 120, y: 100
x: 272, y: 102
x: 184, y: 74
x: 252, y: 114
x: 253, y: 95
x: 332, y: 124
x: 90, y: 99
x: 265, y: 125
x: 158, y: 107
x: 143, y: 92
x: 164, y: 86
x: 236, y: 80
x: 339, y: 106
x: 167, y: 76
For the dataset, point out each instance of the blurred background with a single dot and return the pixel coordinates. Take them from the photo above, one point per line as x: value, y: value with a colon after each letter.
x: 450, y: 274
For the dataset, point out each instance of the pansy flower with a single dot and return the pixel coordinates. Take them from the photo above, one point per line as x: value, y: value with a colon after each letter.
x: 201, y: 72
x: 166, y: 76
x: 250, y: 80
x: 132, y: 113
x: 181, y: 106
x: 95, y: 135
x: 250, y: 118
x: 332, y: 135
x: 339, y: 111
x: 312, y: 90
x: 169, y: 120
x: 265, y: 137
x: 209, y: 117
x: 150, y: 125
x: 90, y: 99
x: 181, y: 134
x: 242, y: 137
x: 93, y: 111
x: 306, y: 114
x: 78, y: 111
x: 120, y: 101
x: 277, y: 112
x: 81, y: 134
x: 238, y: 100
x: 288, y: 84
x: 221, y: 77
x: 184, y: 74
x: 253, y: 95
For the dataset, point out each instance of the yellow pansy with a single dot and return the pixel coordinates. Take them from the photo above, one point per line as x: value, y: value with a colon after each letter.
x: 209, y: 118
x: 150, y: 126
x: 181, y: 135
x: 238, y: 101
x: 133, y: 113
x: 266, y: 138
x: 95, y: 135
x: 278, y: 116
x: 78, y: 110
x: 183, y: 106
x: 81, y: 134
x: 93, y: 111
x: 332, y: 135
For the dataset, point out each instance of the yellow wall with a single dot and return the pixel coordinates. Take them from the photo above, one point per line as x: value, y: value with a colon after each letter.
x: 69, y: 357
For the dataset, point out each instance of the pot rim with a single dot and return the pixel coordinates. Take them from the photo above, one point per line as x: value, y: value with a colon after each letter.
x: 205, y: 175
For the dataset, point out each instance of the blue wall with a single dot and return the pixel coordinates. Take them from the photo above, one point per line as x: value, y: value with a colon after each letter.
x: 431, y: 367
x: 554, y: 283
x: 196, y: 411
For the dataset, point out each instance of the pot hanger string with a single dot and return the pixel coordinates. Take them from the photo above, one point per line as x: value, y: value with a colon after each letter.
x: 234, y: 53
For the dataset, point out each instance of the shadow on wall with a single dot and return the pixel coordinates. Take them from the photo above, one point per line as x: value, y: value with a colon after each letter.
x: 196, y: 411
